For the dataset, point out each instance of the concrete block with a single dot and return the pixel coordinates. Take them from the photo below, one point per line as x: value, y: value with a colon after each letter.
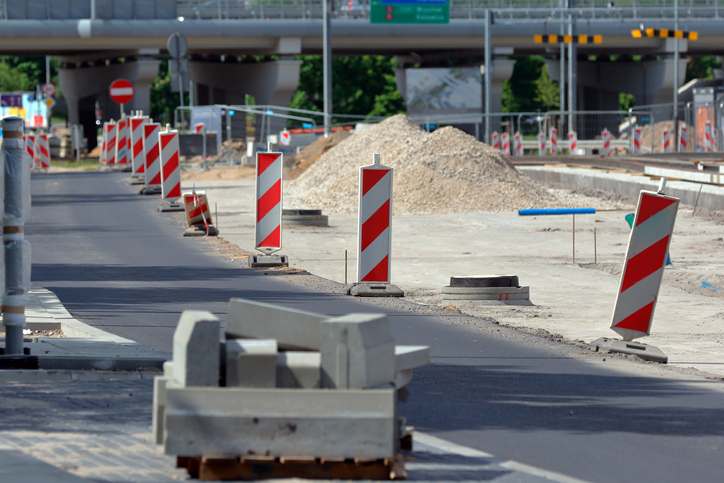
x: 251, y: 363
x: 264, y: 261
x: 170, y: 206
x: 411, y: 356
x: 374, y: 290
x: 644, y: 351
x: 196, y: 349
x: 158, y: 408
x: 358, y: 352
x: 281, y: 422
x: 292, y: 329
x: 299, y: 370
x: 168, y: 370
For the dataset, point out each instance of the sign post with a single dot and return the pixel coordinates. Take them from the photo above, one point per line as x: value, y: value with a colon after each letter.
x: 121, y: 92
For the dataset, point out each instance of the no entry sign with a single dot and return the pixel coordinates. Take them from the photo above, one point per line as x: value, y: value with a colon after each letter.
x: 121, y: 91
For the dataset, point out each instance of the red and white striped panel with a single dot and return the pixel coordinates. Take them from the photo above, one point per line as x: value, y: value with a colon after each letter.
x: 666, y: 141
x: 374, y: 239
x: 495, y: 140
x: 109, y: 155
x: 505, y: 141
x: 541, y: 144
x: 170, y: 169
x: 268, y: 232
x: 138, y: 162
x: 714, y: 136
x: 43, y: 149
x: 573, y: 140
x: 152, y: 171
x: 517, y: 144
x: 196, y: 207
x: 606, y: 137
x: 199, y: 127
x: 30, y: 148
x: 637, y: 140
x: 683, y: 140
x: 554, y: 141
x: 122, y: 142
x: 644, y: 266
x: 707, y: 137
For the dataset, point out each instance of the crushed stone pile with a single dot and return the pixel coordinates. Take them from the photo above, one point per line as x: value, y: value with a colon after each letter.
x: 446, y: 171
x: 302, y: 160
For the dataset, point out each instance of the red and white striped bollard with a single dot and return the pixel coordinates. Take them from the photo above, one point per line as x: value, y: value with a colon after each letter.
x: 554, y: 140
x: 152, y: 169
x: 138, y: 162
x: 268, y: 228
x: 374, y: 240
x: 170, y: 169
x: 573, y: 140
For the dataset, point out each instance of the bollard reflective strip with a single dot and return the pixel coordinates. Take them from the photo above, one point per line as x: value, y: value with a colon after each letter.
x: 122, y: 141
x: 152, y: 171
x: 644, y: 266
x: 374, y: 240
x: 138, y: 163
x: 170, y: 168
x: 554, y: 140
x: 268, y: 228
x: 110, y: 153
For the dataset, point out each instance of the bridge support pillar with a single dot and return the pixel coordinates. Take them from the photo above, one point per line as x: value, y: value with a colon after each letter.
x: 84, y: 81
x: 271, y: 83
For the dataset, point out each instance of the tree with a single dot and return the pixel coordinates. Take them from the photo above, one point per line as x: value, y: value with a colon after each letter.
x: 163, y: 101
x: 24, y: 73
x: 12, y: 79
x: 546, y: 91
x: 519, y: 92
x: 701, y: 67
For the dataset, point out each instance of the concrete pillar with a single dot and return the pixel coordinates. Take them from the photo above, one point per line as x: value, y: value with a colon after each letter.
x: 84, y: 80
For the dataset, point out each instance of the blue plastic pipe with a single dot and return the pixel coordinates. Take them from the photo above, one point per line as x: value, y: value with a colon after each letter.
x: 556, y: 211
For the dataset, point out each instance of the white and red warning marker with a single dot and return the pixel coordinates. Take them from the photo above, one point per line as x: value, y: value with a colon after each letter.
x: 138, y: 162
x: 285, y: 138
x: 374, y: 240
x: 573, y: 141
x: 714, y: 136
x: 197, y: 210
x: 199, y: 127
x: 554, y: 140
x: 644, y: 266
x: 637, y: 139
x: 666, y: 141
x: 541, y: 144
x: 707, y: 136
x: 152, y: 170
x: 505, y: 142
x: 268, y: 230
x: 517, y: 144
x: 43, y: 151
x: 606, y: 137
x: 109, y: 154
x: 30, y: 148
x: 170, y: 168
x: 122, y: 141
x: 495, y: 140
x: 683, y: 139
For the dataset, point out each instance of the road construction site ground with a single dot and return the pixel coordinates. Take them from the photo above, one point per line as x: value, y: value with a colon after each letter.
x: 572, y: 300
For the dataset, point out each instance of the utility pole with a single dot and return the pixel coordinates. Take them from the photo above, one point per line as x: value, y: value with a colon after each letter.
x: 675, y: 130
x: 327, y: 62
x: 572, y: 71
x: 562, y: 73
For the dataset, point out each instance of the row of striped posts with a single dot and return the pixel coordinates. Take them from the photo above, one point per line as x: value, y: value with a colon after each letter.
x: 38, y: 148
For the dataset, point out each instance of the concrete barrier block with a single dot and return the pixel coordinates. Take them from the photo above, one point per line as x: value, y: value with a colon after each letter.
x: 168, y: 369
x: 299, y: 370
x: 411, y: 356
x: 293, y: 329
x: 196, y: 349
x: 281, y: 422
x: 358, y: 352
x: 251, y: 363
x: 159, y: 408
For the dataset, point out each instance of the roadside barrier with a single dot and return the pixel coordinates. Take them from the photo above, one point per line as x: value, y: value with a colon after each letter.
x: 122, y: 141
x: 109, y: 151
x: 518, y: 144
x: 707, y: 137
x: 152, y: 170
x: 505, y: 141
x: 573, y: 140
x: 136, y: 146
x: 606, y: 137
x: 683, y: 139
x: 43, y: 151
x: 637, y: 137
x: 170, y: 169
x: 30, y: 148
x: 198, y: 215
x: 665, y: 141
x: 496, y: 140
x: 541, y: 144
x: 714, y: 135
x: 268, y: 231
x: 554, y: 140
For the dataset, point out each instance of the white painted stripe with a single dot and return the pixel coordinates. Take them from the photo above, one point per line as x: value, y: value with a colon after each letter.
x: 270, y: 176
x: 268, y: 224
x: 376, y: 196
x: 636, y: 297
x: 122, y: 91
x: 148, y: 143
x: 174, y: 178
x: 373, y: 255
x: 652, y: 230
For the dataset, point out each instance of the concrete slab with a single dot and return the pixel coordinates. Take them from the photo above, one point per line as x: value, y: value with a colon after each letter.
x: 266, y: 261
x: 18, y: 466
x: 299, y: 370
x: 644, y: 351
x: 374, y: 290
x: 196, y: 349
x: 251, y: 363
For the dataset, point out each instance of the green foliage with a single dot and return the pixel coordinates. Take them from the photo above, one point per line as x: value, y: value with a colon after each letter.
x: 626, y: 101
x: 363, y: 85
x: 24, y: 73
x: 701, y: 67
x: 530, y: 88
x: 546, y: 91
x: 163, y: 101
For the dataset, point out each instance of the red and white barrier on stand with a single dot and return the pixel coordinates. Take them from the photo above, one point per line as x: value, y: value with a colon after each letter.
x: 714, y: 136
x: 138, y: 162
x: 30, y: 148
x: 573, y: 140
x: 495, y: 140
x: 43, y: 151
x: 541, y: 144
x: 152, y: 169
x: 518, y: 144
x: 122, y: 141
x: 606, y: 137
x: 643, y: 269
x: 707, y: 137
x: 666, y: 141
x: 683, y: 139
x: 268, y: 230
x: 197, y: 210
x: 198, y: 127
x: 554, y: 140
x: 374, y: 240
x: 505, y: 142
x: 170, y: 169
x: 637, y: 138
x: 109, y: 155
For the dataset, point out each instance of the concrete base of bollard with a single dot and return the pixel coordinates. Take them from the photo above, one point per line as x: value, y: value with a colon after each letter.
x: 645, y: 352
x: 201, y: 231
x: 369, y: 289
x: 137, y: 179
x: 264, y: 261
x: 150, y: 190
x: 169, y: 206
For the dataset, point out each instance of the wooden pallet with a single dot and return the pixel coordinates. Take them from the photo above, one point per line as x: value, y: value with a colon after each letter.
x: 263, y: 467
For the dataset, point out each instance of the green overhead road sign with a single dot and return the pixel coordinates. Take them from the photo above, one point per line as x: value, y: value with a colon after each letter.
x: 410, y: 11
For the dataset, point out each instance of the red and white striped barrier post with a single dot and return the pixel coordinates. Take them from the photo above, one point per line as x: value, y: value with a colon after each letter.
x: 198, y: 215
x: 43, y: 151
x: 714, y: 136
x: 606, y: 137
x: 554, y: 140
x: 170, y: 171
x: 152, y: 170
x: 198, y: 127
x: 495, y: 140
x: 683, y: 139
x: 505, y: 142
x: 374, y: 231
x: 573, y: 140
x: 541, y: 144
x: 666, y: 141
x: 30, y: 148
x: 109, y: 154
x: 138, y: 162
x: 268, y: 228
x: 518, y: 144
x: 637, y: 136
x: 707, y: 136
x: 122, y: 141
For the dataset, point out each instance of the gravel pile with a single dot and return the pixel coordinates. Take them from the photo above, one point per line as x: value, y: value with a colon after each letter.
x: 446, y: 171
x: 302, y: 160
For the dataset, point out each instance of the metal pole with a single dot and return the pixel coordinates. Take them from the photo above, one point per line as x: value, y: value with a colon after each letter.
x: 572, y: 74
x: 488, y: 72
x: 562, y: 73
x: 93, y: 10
x: 228, y: 133
x: 327, y: 63
x: 676, y: 78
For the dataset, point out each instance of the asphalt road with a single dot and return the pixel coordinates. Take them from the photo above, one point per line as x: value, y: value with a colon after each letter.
x: 117, y: 264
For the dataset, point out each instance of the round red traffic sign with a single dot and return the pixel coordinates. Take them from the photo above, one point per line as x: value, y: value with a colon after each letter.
x: 48, y: 89
x: 121, y: 91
